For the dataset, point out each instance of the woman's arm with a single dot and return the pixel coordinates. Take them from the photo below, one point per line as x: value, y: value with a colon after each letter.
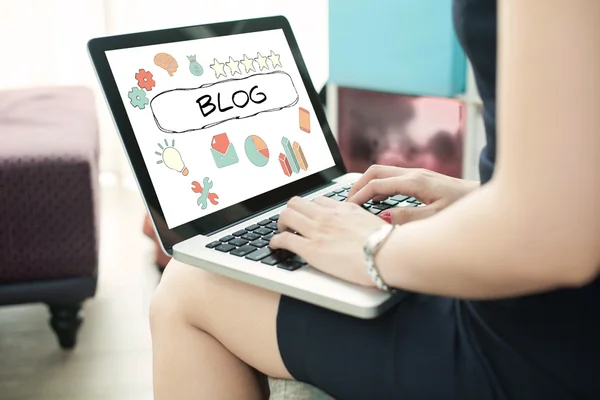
x: 536, y: 226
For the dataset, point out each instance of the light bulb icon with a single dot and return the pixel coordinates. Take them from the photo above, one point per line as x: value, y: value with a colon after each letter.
x: 171, y: 158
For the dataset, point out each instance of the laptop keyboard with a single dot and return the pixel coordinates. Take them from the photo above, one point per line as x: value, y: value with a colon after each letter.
x: 252, y: 241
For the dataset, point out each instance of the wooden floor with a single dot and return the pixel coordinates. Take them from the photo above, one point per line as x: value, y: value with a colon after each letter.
x: 113, y: 358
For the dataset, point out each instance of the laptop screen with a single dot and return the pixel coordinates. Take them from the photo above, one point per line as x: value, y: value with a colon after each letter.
x: 219, y: 120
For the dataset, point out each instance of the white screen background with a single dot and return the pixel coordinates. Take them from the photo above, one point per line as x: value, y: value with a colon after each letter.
x: 237, y: 182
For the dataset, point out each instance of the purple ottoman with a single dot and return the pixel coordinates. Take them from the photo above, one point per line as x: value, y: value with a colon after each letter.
x: 48, y: 202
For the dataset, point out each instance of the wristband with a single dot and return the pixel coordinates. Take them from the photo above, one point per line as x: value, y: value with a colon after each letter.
x: 372, y: 245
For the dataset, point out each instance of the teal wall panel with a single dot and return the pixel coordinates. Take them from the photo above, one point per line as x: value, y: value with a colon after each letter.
x: 397, y: 46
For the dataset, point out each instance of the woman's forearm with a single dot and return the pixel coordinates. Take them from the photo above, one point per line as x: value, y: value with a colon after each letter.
x: 536, y: 226
x: 488, y: 245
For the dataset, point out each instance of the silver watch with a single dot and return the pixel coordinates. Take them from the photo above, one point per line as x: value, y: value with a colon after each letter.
x: 372, y: 245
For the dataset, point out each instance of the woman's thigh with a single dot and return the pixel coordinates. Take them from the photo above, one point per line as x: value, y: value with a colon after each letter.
x: 243, y: 318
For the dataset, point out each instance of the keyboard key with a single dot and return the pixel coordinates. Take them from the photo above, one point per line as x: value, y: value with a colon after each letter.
x: 268, y: 237
x: 338, y: 198
x: 250, y: 236
x: 252, y: 227
x: 242, y: 251
x: 270, y: 260
x: 390, y: 202
x: 212, y: 245
x: 330, y: 194
x: 259, y: 254
x: 343, y: 194
x: 347, y: 187
x: 272, y: 225
x: 399, y: 198
x: 225, y: 247
x: 240, y: 232
x: 290, y: 265
x: 259, y: 243
x: 238, y: 242
x: 405, y: 204
x: 227, y: 238
x: 299, y: 259
x: 277, y: 257
x: 411, y: 200
x: 274, y: 217
x: 338, y: 191
x: 264, y: 222
x: 370, y: 202
x: 262, y: 231
x: 381, y: 206
x: 374, y: 210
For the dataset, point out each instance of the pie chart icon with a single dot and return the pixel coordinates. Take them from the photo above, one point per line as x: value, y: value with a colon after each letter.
x: 256, y: 150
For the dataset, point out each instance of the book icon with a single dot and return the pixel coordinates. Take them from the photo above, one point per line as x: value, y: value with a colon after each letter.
x: 292, y: 160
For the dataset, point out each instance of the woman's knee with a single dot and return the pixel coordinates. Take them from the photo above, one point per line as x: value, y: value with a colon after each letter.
x: 182, y: 290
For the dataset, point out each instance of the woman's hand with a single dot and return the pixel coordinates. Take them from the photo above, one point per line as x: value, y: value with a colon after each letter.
x: 330, y: 236
x: 435, y: 190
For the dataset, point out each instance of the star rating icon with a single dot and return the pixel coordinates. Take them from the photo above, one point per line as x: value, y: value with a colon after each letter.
x: 219, y: 68
x: 234, y: 66
x: 248, y: 63
x: 274, y: 59
x: 262, y: 62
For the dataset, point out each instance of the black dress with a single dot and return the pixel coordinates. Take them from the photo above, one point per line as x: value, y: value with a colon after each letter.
x: 543, y: 346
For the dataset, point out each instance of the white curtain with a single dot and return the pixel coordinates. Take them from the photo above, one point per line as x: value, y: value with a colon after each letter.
x: 42, y: 42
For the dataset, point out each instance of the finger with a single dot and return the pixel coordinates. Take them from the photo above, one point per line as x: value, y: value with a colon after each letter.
x: 306, y: 207
x: 375, y: 172
x: 289, y: 241
x: 404, y: 215
x: 325, y: 202
x: 294, y: 221
x: 387, y: 187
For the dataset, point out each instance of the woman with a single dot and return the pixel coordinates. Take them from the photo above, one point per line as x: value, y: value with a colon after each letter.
x: 507, y: 274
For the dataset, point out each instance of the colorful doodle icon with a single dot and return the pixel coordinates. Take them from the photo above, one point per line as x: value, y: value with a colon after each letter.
x: 299, y: 154
x: 144, y: 79
x: 223, y: 151
x: 205, y: 195
x: 166, y: 62
x: 304, y: 120
x: 274, y: 59
x: 219, y: 68
x: 289, y: 152
x: 256, y: 150
x: 171, y: 157
x: 138, y: 98
x: 285, y: 164
x: 195, y: 68
x: 262, y: 62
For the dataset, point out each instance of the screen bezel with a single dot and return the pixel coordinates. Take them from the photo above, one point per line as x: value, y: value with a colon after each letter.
x: 205, y: 225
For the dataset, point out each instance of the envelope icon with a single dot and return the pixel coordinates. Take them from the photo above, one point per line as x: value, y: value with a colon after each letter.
x: 223, y: 151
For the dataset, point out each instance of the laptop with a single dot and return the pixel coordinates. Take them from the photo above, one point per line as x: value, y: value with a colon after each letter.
x: 222, y: 125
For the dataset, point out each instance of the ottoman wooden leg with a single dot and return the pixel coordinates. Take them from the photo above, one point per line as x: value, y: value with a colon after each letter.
x: 65, y: 321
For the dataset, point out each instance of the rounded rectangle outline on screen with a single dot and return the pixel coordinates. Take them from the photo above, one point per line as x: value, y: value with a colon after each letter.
x: 227, y: 82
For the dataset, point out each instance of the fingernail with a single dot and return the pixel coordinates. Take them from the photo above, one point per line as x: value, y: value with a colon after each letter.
x: 386, y: 216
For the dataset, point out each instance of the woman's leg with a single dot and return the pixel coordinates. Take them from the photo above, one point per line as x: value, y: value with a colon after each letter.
x: 209, y: 333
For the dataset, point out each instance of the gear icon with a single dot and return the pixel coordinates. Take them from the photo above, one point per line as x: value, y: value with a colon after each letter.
x: 138, y: 98
x: 145, y: 80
